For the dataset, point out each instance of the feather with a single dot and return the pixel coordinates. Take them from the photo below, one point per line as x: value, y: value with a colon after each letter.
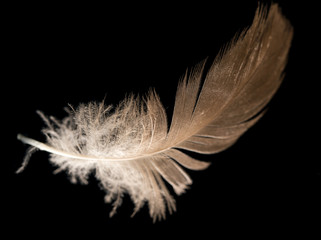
x: 132, y: 150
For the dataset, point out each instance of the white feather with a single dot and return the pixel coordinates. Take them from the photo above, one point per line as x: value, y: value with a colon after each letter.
x: 130, y: 148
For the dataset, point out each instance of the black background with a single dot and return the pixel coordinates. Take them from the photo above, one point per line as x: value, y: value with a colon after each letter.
x: 269, y: 181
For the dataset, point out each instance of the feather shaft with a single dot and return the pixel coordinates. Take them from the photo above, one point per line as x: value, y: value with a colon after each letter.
x: 44, y: 147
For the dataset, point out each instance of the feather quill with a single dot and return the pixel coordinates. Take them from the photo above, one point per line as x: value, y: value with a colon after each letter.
x: 131, y: 149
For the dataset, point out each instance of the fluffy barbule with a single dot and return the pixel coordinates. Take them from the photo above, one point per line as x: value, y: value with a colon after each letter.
x: 116, y: 138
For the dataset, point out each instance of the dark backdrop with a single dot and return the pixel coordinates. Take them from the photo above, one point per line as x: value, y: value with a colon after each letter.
x: 58, y: 55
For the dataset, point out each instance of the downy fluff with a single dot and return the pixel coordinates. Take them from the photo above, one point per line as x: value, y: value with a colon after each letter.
x: 130, y: 148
